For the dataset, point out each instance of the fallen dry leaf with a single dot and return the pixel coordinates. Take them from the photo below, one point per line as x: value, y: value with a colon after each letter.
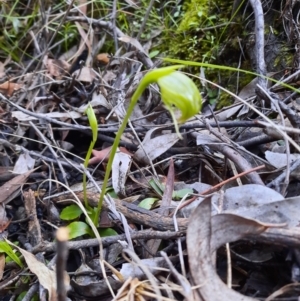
x: 4, y: 221
x: 11, y: 188
x: 205, y: 234
x: 56, y: 68
x: 103, y: 155
x: 120, y: 167
x: 85, y: 74
x: 131, y: 269
x: 155, y: 146
x: 2, y: 70
x: 97, y: 100
x: 8, y: 88
x: 34, y: 229
x: 280, y: 160
x: 23, y: 164
x: 103, y: 58
x: 46, y: 276
x: 284, y: 211
x: 134, y: 42
x: 2, y: 264
x: 168, y: 192
x: 90, y: 286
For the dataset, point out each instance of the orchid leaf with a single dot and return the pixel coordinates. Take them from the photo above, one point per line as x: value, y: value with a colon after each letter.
x: 179, y: 194
x: 78, y: 229
x: 148, y: 203
x: 70, y: 212
x: 107, y: 232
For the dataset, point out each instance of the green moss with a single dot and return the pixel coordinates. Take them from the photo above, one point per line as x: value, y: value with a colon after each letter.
x: 284, y: 59
x: 224, y: 100
x: 195, y: 12
x: 201, y: 37
x: 197, y: 36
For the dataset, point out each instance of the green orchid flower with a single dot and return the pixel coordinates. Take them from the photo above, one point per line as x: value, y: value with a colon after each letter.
x: 177, y: 90
x: 180, y: 91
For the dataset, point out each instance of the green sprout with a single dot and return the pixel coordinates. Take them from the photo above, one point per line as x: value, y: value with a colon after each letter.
x: 94, y: 126
x: 177, y: 90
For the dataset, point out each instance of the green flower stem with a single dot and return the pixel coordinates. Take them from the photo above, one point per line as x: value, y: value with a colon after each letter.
x: 149, y: 78
x: 86, y: 162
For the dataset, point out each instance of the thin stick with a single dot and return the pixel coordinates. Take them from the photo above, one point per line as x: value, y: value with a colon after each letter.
x: 259, y: 41
x: 107, y: 241
x: 229, y: 271
x: 113, y: 22
x: 62, y: 236
x: 146, y: 17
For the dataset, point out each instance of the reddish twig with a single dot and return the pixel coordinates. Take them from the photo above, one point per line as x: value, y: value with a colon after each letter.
x: 214, y: 188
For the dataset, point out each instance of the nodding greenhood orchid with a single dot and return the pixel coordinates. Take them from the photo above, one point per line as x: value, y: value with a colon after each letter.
x: 180, y: 91
x: 177, y: 90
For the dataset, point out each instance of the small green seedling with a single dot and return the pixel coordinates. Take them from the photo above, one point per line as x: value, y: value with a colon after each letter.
x: 157, y: 187
x: 160, y: 188
x: 72, y: 212
x: 179, y: 194
x: 6, y: 248
x: 78, y: 228
x: 94, y: 126
x: 148, y: 203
